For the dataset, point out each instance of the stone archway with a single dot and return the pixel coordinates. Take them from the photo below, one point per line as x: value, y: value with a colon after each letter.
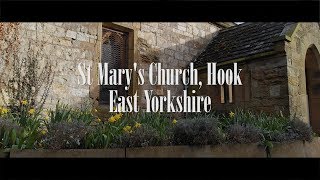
x: 312, y: 70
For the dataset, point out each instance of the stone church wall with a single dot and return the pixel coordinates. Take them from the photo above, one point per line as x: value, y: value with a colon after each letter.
x: 67, y: 44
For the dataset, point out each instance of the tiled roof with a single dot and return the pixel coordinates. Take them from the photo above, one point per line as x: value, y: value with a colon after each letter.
x: 242, y: 41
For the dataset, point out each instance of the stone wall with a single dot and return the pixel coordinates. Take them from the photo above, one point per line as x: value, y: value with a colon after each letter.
x: 264, y: 87
x: 64, y: 44
x: 67, y: 44
x: 305, y: 35
x: 174, y: 45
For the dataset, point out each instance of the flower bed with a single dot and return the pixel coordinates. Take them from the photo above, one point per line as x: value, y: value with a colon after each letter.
x: 63, y: 128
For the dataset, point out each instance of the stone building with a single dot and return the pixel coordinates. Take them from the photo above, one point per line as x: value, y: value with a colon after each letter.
x: 120, y: 44
x: 280, y: 65
x: 280, y: 61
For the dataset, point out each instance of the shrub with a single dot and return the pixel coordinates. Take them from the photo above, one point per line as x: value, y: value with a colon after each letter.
x: 243, y: 134
x: 296, y: 130
x: 200, y: 131
x: 265, y: 122
x: 141, y: 137
x: 65, y: 135
x: 303, y: 130
x: 12, y: 135
x: 8, y: 131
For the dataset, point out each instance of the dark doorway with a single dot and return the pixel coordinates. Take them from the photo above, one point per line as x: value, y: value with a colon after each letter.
x: 313, y: 87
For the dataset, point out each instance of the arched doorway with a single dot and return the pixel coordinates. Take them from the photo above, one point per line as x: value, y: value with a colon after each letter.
x: 313, y: 87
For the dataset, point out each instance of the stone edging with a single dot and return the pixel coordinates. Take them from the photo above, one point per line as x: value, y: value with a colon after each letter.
x: 293, y: 149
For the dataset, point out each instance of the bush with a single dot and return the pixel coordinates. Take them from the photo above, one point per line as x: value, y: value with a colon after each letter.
x: 200, y: 131
x: 304, y: 131
x: 296, y: 130
x: 142, y: 137
x: 8, y: 131
x: 243, y: 134
x: 13, y: 135
x: 65, y: 135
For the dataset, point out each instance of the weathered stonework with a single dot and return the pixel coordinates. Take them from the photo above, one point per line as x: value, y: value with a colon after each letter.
x: 174, y: 45
x: 264, y: 87
x: 271, y: 83
x: 67, y: 44
x: 277, y: 82
x: 305, y: 36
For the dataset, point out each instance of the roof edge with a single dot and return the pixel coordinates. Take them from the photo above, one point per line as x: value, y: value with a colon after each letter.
x: 255, y: 56
x: 289, y: 30
x: 224, y: 24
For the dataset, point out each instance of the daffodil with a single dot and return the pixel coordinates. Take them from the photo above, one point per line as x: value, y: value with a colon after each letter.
x: 95, y: 110
x: 24, y: 102
x: 46, y: 118
x: 112, y: 119
x: 137, y: 125
x: 98, y: 120
x: 32, y: 111
x: 231, y: 114
x: 43, y: 132
x: 4, y: 110
x: 118, y: 116
x: 174, y: 121
x: 127, y: 129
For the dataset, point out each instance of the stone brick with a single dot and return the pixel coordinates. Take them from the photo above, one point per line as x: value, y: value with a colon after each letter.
x: 49, y: 28
x: 149, y: 36
x: 182, y: 28
x: 275, y: 90
x: 60, y: 32
x: 82, y: 37
x: 71, y: 34
x: 178, y: 55
x: 169, y: 52
x: 29, y: 26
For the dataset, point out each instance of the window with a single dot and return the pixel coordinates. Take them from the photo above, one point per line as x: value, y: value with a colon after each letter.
x: 114, y: 51
x: 226, y: 93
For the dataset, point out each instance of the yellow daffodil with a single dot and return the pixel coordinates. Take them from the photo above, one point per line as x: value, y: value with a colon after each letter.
x: 231, y: 114
x: 137, y: 125
x: 24, y: 102
x: 127, y: 129
x: 32, y: 111
x: 46, y: 118
x: 43, y: 132
x: 98, y: 120
x: 95, y: 110
x: 4, y: 110
x: 174, y: 121
x: 118, y: 116
x: 112, y: 119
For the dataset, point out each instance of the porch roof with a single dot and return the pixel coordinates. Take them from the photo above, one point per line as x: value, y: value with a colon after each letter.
x: 244, y: 40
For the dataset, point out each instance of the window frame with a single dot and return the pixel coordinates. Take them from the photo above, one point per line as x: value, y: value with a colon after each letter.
x: 133, y: 55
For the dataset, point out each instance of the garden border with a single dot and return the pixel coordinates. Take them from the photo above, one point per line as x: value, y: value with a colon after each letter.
x: 290, y: 149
